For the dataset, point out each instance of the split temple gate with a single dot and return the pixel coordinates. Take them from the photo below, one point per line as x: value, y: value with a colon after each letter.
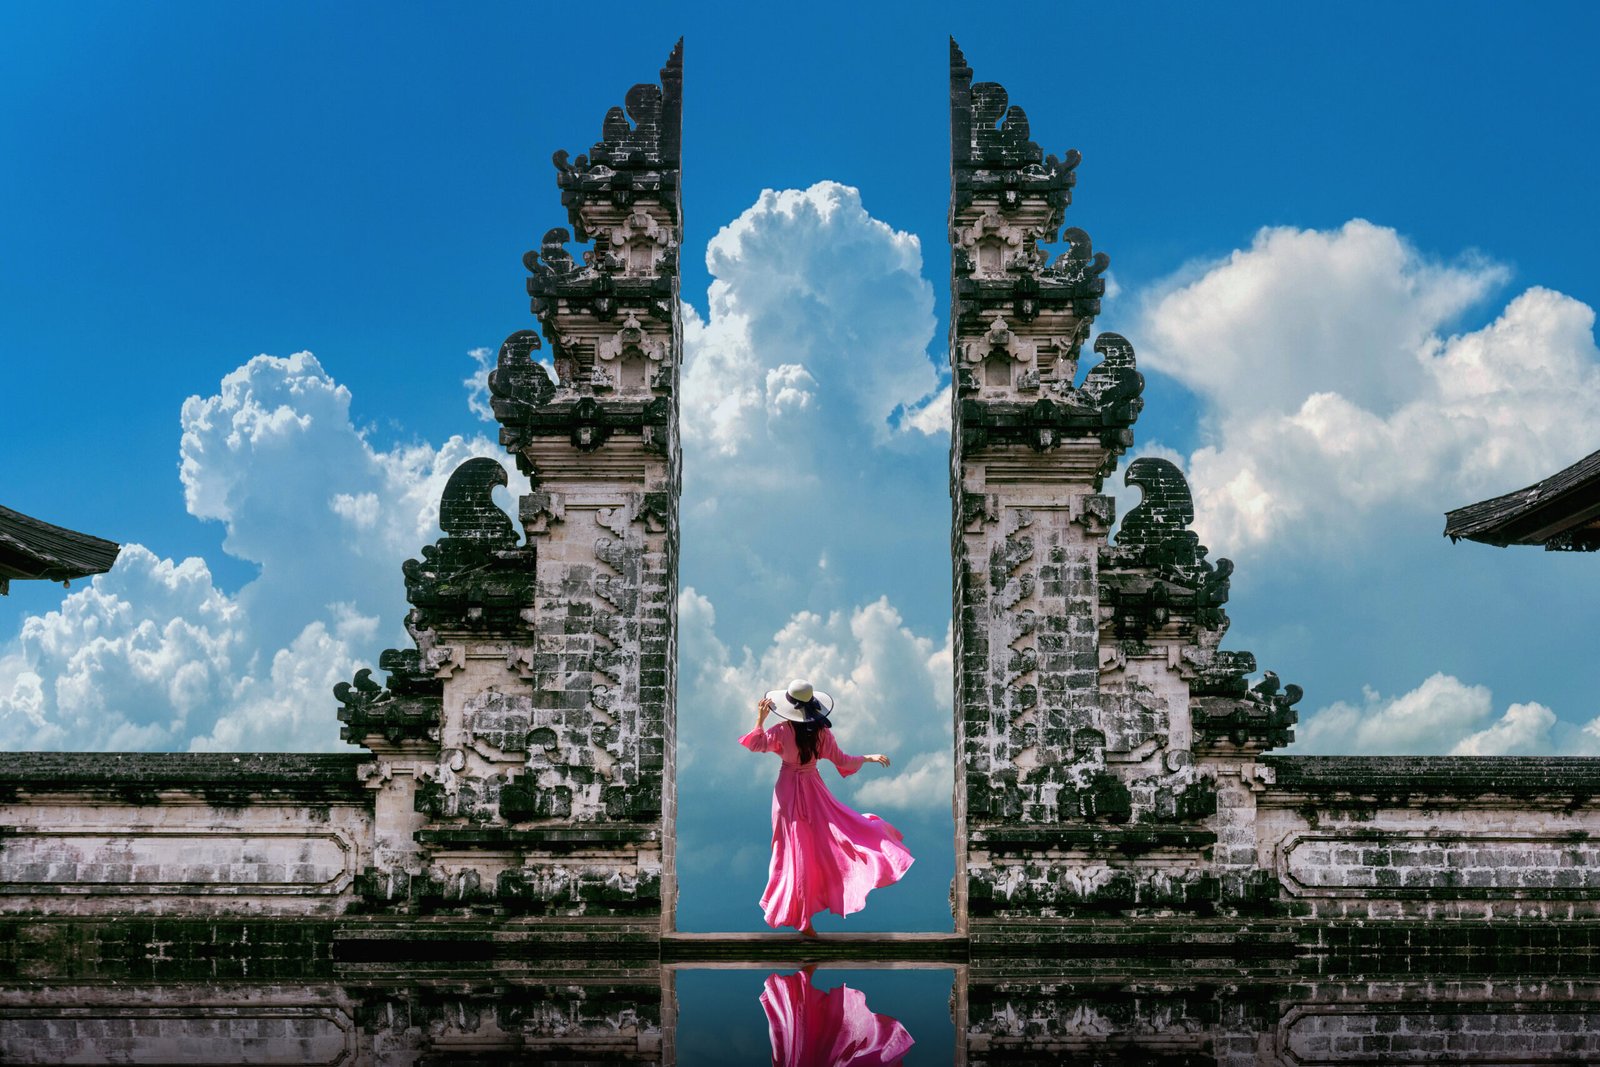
x: 513, y: 803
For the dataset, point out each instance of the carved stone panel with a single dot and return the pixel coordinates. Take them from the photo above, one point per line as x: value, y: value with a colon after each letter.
x: 177, y: 861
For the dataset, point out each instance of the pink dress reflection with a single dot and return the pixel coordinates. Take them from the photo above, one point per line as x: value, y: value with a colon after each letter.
x: 825, y: 855
x: 810, y: 1028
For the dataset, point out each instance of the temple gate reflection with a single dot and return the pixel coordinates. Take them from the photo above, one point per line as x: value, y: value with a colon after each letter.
x: 86, y: 993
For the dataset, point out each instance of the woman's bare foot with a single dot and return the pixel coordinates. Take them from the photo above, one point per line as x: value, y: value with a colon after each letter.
x: 808, y: 930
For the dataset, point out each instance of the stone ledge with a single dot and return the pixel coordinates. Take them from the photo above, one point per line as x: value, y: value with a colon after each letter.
x: 476, y: 942
x: 1455, y: 776
x: 1054, y: 940
x: 139, y: 776
x: 544, y: 838
x: 860, y: 950
x: 1131, y: 841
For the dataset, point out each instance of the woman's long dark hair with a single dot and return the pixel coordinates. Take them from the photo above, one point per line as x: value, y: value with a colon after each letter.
x: 808, y: 733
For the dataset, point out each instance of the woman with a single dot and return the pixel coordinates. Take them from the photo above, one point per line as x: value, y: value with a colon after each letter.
x: 825, y: 857
x: 809, y: 1027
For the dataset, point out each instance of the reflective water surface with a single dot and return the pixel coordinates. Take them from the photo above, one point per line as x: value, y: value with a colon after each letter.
x: 828, y: 1016
x: 594, y: 1012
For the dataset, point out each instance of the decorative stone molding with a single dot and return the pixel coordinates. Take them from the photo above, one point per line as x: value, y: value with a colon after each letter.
x: 643, y: 243
x: 991, y: 245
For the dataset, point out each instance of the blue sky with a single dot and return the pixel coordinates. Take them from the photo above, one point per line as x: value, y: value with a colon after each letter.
x: 1352, y: 244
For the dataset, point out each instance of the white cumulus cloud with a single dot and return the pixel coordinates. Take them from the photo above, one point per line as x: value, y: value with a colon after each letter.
x: 808, y: 288
x: 154, y: 655
x: 1442, y: 716
x: 1345, y: 402
x: 926, y: 784
x: 1524, y: 730
x: 814, y: 417
x: 891, y: 687
x: 477, y: 383
x: 1333, y: 392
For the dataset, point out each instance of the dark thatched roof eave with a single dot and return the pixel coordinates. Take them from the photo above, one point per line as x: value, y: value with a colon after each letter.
x: 1563, y: 511
x: 31, y: 548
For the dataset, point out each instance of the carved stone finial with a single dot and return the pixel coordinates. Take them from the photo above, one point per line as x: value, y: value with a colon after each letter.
x: 467, y: 508
x: 1114, y: 386
x: 519, y: 384
x: 1230, y: 714
x: 1000, y: 128
x: 637, y: 156
x: 1157, y: 529
x: 992, y: 155
x: 552, y: 261
x: 408, y: 708
x: 1158, y: 571
x: 1080, y: 265
x: 476, y: 576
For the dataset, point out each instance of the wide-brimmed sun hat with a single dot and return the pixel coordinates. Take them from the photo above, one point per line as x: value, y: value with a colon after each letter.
x: 799, y: 692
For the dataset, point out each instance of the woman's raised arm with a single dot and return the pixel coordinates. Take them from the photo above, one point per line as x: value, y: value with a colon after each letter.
x: 847, y: 764
x: 756, y: 740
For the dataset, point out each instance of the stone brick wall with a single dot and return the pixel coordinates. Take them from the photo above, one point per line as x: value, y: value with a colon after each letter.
x: 1253, y: 1025
x: 1431, y: 838
x: 263, y: 1023
x: 150, y: 834
x: 513, y: 1021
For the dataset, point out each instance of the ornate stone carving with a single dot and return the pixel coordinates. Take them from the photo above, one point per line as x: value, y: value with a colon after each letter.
x: 991, y: 245
x: 1157, y: 574
x: 1080, y: 266
x: 642, y: 244
x: 1157, y: 580
x: 1113, y: 387
x: 998, y: 340
x: 555, y: 658
x: 518, y: 384
x: 1230, y: 714
x: 993, y: 156
x: 408, y: 707
x: 637, y: 155
x: 539, y: 509
x: 476, y: 577
x: 1104, y: 408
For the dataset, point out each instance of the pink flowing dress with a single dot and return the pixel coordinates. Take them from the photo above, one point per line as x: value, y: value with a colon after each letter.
x: 810, y: 1028
x: 825, y: 856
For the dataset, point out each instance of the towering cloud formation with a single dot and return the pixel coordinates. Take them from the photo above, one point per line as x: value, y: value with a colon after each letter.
x: 1340, y: 417
x: 815, y: 517
x: 817, y: 310
x: 153, y: 655
x: 1335, y: 395
x: 1335, y: 403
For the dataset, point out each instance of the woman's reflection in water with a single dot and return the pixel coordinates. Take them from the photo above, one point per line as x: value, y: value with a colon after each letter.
x: 810, y: 1028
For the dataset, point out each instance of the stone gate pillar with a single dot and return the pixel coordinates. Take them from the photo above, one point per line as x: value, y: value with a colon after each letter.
x: 525, y: 747
x: 1077, y: 790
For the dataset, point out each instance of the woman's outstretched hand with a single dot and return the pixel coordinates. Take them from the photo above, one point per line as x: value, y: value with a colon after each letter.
x: 877, y: 757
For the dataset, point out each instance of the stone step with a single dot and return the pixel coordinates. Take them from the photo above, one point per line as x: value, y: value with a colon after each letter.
x: 863, y: 950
